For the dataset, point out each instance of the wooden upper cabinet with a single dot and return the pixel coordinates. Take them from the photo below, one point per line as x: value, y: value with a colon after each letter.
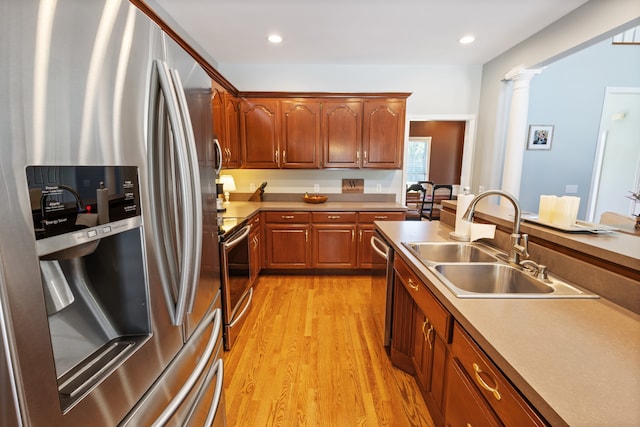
x: 224, y: 107
x: 383, y: 133
x: 300, y: 138
x: 341, y: 133
x: 260, y: 133
x: 309, y: 131
x: 232, y: 131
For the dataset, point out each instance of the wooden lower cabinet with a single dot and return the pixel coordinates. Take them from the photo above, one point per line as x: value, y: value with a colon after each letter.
x: 465, y: 406
x: 321, y: 240
x: 427, y: 343
x: 334, y: 246
x: 287, y: 240
x: 460, y: 384
x: 489, y: 382
x: 255, y: 246
x: 334, y: 240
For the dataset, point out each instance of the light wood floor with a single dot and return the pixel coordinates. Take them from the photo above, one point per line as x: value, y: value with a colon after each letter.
x: 311, y: 354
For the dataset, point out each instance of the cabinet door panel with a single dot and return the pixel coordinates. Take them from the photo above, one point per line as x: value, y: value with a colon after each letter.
x: 464, y: 405
x: 300, y: 134
x: 232, y: 131
x: 334, y: 246
x: 382, y: 134
x: 341, y: 133
x: 287, y: 246
x: 260, y: 133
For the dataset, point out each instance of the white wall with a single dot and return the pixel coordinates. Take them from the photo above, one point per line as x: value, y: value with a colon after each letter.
x: 590, y: 23
x: 435, y: 90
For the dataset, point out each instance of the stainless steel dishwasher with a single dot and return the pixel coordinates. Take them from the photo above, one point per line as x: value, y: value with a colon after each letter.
x: 382, y: 278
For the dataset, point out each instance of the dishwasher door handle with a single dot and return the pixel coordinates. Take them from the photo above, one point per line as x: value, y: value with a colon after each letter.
x: 374, y: 245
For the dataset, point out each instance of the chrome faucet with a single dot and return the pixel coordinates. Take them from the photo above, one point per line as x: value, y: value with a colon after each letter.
x: 519, y: 242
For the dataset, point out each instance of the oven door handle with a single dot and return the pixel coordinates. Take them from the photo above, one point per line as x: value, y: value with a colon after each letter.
x: 244, y: 310
x: 374, y: 245
x: 231, y: 243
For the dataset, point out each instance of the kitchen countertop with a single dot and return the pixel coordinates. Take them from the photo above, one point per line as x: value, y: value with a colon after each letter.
x: 576, y: 360
x: 242, y: 209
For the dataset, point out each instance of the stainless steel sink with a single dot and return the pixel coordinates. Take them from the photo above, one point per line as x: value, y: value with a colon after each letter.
x: 483, y: 280
x: 441, y: 252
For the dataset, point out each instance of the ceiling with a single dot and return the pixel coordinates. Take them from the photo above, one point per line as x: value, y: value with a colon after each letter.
x: 420, y: 32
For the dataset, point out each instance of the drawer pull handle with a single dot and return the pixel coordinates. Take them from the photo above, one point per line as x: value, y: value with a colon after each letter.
x: 333, y: 216
x: 288, y: 216
x: 412, y: 285
x: 484, y: 385
x: 380, y: 217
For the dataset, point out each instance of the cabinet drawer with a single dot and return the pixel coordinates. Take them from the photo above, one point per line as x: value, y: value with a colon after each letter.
x: 503, y: 398
x: 288, y: 217
x: 254, y: 221
x: 438, y: 316
x: 333, y: 217
x: 364, y: 217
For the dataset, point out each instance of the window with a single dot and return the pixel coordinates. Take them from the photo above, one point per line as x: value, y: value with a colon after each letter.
x: 418, y: 153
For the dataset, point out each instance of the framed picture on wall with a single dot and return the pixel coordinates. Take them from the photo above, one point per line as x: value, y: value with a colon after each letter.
x: 540, y: 137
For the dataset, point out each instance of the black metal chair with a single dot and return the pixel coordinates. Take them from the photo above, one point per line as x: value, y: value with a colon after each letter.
x: 432, y: 201
x: 414, y: 197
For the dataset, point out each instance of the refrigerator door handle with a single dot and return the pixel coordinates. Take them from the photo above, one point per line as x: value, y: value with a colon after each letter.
x: 218, y: 370
x: 182, y: 394
x: 193, y: 207
x: 184, y: 227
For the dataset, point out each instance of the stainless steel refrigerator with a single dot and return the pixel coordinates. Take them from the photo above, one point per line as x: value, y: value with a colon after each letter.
x: 109, y: 265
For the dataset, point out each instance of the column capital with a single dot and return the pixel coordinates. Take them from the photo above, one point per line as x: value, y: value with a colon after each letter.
x: 520, y: 73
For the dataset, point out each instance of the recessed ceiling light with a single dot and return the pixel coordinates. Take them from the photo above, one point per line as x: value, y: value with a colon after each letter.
x: 275, y: 38
x: 467, y: 39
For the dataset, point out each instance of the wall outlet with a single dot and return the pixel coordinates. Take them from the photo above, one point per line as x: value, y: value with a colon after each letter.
x: 480, y: 188
x: 316, y: 188
x: 378, y: 188
x: 571, y: 188
x: 252, y: 187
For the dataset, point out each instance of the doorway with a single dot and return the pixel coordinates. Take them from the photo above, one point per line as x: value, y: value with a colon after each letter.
x: 445, y: 148
x: 617, y: 163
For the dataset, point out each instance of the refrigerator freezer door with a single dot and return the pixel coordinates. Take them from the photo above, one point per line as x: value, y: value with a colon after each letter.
x: 190, y: 392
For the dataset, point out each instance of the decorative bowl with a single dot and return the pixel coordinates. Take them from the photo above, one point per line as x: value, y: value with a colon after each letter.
x: 314, y: 198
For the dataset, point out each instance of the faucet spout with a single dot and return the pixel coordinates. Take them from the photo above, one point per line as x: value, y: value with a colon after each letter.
x: 519, y: 242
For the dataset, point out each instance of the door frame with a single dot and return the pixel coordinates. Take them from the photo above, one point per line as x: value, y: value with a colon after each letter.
x: 600, y: 152
x: 468, y: 149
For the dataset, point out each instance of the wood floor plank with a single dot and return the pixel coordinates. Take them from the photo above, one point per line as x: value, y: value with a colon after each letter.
x: 310, y: 354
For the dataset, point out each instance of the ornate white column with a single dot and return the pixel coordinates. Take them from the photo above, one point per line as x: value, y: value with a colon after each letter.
x: 516, y: 129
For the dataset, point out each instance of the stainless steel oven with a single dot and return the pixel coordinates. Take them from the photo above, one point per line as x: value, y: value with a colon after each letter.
x: 237, y: 291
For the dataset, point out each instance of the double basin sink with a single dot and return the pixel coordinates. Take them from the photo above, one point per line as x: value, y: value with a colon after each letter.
x: 475, y: 270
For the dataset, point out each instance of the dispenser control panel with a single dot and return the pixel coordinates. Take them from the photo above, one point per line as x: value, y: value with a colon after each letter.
x: 65, y: 199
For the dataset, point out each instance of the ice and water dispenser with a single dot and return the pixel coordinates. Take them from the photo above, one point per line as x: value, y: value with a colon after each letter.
x: 89, y: 239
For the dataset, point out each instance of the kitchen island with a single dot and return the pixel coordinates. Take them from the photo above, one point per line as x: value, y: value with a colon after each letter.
x: 576, y: 361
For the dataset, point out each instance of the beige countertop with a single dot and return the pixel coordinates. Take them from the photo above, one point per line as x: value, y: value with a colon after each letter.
x: 576, y: 360
x: 243, y: 209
